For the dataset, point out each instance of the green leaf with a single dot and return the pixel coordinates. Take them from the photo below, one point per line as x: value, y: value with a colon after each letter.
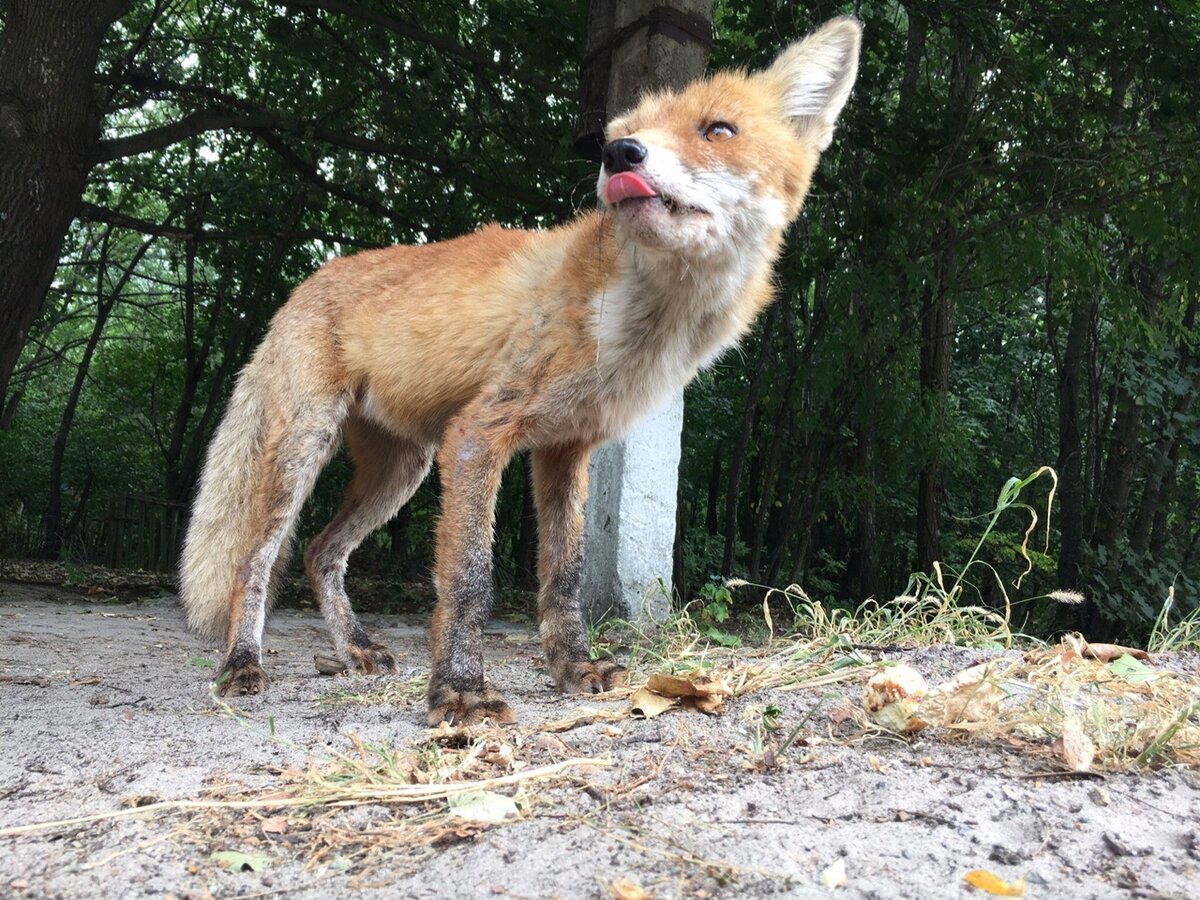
x: 721, y: 637
x: 201, y: 663
x: 1132, y: 670
x: 483, y: 806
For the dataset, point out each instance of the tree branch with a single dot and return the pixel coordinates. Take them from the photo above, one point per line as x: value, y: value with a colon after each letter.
x: 480, y: 62
x: 261, y: 120
x: 89, y: 212
x: 309, y: 173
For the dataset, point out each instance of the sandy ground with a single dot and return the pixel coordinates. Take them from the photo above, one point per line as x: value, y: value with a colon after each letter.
x: 104, y: 701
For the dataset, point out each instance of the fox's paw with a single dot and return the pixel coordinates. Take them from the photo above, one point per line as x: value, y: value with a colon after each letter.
x: 238, y: 681
x: 373, y: 659
x: 467, y: 707
x: 593, y: 677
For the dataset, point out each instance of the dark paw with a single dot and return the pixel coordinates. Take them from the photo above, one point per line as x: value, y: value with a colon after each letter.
x: 467, y: 707
x: 373, y: 659
x: 593, y: 677
x: 240, y: 681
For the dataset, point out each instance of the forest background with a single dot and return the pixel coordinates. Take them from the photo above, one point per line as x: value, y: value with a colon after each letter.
x: 998, y: 269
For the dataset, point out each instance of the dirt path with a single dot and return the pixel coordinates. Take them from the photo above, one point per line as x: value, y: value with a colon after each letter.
x: 103, y: 702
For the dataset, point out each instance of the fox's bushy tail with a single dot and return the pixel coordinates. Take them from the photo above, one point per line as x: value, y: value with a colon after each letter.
x: 221, y: 530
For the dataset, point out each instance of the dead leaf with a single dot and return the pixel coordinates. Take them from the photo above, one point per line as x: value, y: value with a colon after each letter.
x: 624, y: 889
x: 694, y: 684
x: 275, y: 825
x: 482, y: 806
x: 1109, y: 652
x: 647, y: 704
x: 970, y: 697
x: 82, y: 682
x: 834, y: 875
x: 839, y: 714
x: 994, y: 884
x: 1077, y: 748
x: 708, y: 705
x: 552, y: 744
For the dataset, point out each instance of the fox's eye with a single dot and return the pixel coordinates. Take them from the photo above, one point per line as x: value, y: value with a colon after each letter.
x: 719, y: 131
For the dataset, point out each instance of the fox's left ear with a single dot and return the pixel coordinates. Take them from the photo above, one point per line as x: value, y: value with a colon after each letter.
x: 813, y: 77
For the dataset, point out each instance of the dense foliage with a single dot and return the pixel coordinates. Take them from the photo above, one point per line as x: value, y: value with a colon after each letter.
x: 998, y: 269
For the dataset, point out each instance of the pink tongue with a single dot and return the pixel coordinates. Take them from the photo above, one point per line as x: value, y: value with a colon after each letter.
x: 624, y: 185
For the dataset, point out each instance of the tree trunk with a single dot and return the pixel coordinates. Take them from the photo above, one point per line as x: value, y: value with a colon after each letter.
x: 49, y: 131
x: 106, y: 299
x: 937, y: 306
x: 937, y: 345
x: 863, y: 570
x: 1072, y: 492
x: 738, y: 460
x: 714, y: 493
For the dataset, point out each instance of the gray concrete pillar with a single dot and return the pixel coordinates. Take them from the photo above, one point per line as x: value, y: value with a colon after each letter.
x: 630, y: 530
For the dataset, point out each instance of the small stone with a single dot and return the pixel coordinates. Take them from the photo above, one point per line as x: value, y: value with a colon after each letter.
x: 1100, y: 796
x: 1007, y: 856
x: 1036, y: 876
x: 1117, y: 847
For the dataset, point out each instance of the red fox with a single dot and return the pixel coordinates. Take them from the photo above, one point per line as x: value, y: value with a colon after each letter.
x: 471, y: 349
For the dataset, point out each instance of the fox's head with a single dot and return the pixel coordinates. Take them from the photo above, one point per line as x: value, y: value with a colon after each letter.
x: 730, y: 158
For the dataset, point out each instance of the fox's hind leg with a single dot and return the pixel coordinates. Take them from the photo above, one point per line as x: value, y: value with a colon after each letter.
x: 560, y: 478
x: 294, y: 453
x: 387, y: 470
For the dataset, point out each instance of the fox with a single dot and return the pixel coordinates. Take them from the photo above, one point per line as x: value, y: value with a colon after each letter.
x: 469, y: 350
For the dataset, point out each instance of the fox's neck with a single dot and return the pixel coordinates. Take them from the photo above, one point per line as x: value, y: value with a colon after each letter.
x: 658, y: 318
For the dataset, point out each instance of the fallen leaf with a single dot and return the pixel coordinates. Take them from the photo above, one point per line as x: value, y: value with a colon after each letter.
x: 236, y: 861
x: 839, y: 714
x: 498, y: 753
x: 1110, y: 652
x: 275, y: 825
x: 1077, y: 748
x: 970, y: 697
x: 1131, y: 669
x: 550, y: 743
x: 695, y: 684
x: 648, y: 704
x: 834, y: 875
x: 81, y: 682
x: 483, y: 806
x: 624, y: 889
x: 709, y: 705
x: 994, y: 884
x: 138, y: 800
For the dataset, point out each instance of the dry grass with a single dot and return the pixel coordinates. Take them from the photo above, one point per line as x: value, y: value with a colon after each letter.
x: 391, y: 693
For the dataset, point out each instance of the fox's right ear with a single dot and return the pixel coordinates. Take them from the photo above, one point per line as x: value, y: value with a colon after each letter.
x: 813, y: 77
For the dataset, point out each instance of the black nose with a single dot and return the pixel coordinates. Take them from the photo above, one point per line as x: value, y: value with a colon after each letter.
x: 622, y: 155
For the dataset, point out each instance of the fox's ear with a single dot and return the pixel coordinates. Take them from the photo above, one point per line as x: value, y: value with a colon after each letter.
x: 813, y: 77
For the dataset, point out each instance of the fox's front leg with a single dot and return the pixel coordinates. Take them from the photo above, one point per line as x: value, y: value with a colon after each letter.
x: 470, y: 463
x: 560, y: 476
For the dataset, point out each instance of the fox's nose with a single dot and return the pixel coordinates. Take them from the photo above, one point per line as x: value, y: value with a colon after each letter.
x: 622, y: 155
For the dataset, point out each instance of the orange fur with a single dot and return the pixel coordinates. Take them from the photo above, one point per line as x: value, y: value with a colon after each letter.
x: 502, y: 340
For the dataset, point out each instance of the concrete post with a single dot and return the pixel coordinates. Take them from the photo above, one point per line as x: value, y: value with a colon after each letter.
x: 630, y: 530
